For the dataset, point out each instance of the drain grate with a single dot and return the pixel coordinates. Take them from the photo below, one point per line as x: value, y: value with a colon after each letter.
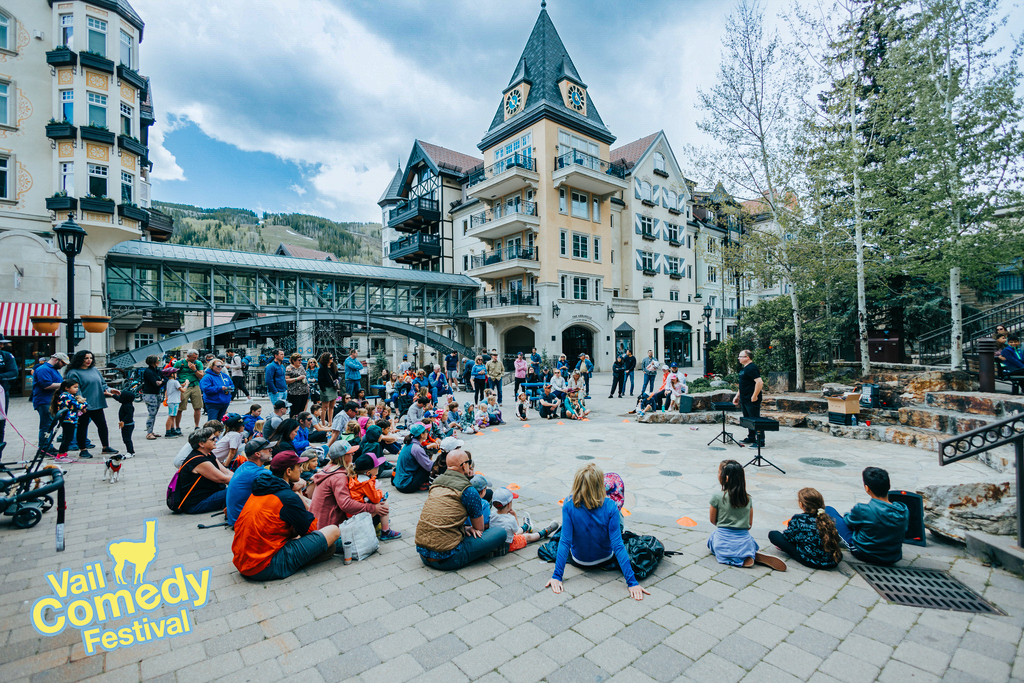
x: 597, y: 440
x: 670, y: 473
x: 715, y: 448
x: 651, y: 452
x: 930, y: 588
x: 823, y: 462
x: 584, y: 457
x: 666, y: 434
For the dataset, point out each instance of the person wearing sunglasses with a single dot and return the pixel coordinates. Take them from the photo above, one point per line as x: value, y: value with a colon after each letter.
x: 443, y: 539
x: 217, y: 389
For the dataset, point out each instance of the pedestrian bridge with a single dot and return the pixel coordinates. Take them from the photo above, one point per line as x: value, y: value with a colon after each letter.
x: 273, y: 290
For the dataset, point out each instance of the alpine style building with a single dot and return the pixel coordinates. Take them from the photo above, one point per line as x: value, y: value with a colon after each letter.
x: 579, y: 246
x: 74, y: 123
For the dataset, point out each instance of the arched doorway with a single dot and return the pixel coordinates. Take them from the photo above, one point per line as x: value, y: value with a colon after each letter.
x: 518, y: 339
x: 678, y: 336
x: 576, y: 340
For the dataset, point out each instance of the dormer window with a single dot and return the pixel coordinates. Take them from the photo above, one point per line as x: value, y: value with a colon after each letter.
x: 659, y: 162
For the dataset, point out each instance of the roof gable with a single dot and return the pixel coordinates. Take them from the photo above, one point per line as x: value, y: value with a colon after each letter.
x: 393, y: 193
x: 545, y: 62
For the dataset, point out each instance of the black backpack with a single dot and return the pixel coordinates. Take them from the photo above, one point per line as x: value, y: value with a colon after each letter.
x: 645, y: 552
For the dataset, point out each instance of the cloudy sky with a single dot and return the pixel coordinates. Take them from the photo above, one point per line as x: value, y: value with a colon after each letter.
x: 308, y: 105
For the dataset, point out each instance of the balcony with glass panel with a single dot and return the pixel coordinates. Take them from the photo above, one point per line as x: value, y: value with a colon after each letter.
x: 506, y: 304
x: 585, y: 172
x: 514, y: 173
x: 512, y: 260
x: 506, y: 218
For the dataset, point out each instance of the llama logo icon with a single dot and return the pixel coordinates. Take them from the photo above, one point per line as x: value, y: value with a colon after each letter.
x: 137, y: 553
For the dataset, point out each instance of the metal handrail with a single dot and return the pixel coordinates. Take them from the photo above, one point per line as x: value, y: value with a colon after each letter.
x: 507, y: 254
x: 501, y: 211
x: 414, y: 204
x: 1001, y: 308
x: 415, y: 240
x: 578, y: 158
x: 509, y: 298
x: 517, y: 160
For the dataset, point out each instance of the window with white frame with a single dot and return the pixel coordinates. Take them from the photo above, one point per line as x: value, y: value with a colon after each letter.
x: 579, y: 204
x: 673, y: 295
x: 597, y: 249
x: 671, y: 198
x: 645, y: 191
x: 647, y: 260
x: 712, y: 274
x: 67, y: 178
x: 646, y: 225
x: 6, y: 31
x: 521, y: 146
x: 595, y: 214
x: 5, y: 177
x: 580, y: 246
x: 567, y: 142
x: 689, y: 272
x: 562, y: 280
x: 465, y: 262
x: 97, y: 180
x: 67, y: 31
x: 673, y: 264
x: 597, y: 290
x: 144, y: 339
x: 711, y: 245
x: 6, y: 100
x: 97, y: 110
x: 126, y: 50
x: 562, y: 238
x: 659, y: 161
x: 688, y: 244
x: 562, y: 206
x: 127, y: 188
x: 579, y: 288
x: 98, y: 36
x: 126, y: 120
x: 673, y: 232
x: 353, y: 343
x: 465, y: 226
x: 67, y: 105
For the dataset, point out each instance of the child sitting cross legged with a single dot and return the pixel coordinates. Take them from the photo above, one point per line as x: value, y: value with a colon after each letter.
x: 810, y: 538
x: 522, y: 404
x: 874, y: 531
x: 505, y: 518
x: 362, y: 484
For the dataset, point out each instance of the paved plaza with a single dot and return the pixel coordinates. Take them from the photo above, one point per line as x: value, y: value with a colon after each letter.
x: 390, y: 619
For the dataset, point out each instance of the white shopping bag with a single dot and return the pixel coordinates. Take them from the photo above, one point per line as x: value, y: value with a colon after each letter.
x: 359, y: 530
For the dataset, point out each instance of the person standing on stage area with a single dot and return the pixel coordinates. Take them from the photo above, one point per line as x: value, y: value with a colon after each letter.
x: 748, y: 398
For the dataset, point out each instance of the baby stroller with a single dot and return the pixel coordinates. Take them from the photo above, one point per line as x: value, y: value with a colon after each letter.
x: 27, y: 503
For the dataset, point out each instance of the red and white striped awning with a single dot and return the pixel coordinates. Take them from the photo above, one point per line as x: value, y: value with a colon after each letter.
x: 15, y: 322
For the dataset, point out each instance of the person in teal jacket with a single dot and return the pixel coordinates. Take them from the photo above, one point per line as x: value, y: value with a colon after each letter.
x: 353, y: 373
x: 217, y: 389
x: 479, y: 375
x: 874, y: 531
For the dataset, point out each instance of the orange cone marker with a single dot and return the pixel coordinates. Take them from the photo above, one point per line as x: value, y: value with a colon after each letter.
x: 685, y: 521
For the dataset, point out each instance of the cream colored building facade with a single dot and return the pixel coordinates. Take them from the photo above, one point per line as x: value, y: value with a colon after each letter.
x: 72, y: 139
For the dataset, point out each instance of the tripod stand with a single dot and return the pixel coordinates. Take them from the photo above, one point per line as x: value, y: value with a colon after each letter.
x: 725, y: 437
x: 761, y: 425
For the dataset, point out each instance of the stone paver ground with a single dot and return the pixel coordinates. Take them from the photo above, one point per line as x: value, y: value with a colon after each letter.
x: 391, y: 619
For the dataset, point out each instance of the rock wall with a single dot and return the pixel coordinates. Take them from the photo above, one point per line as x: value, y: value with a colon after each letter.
x: 951, y: 510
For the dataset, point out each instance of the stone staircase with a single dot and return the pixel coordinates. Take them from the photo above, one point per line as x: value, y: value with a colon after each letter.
x: 943, y: 414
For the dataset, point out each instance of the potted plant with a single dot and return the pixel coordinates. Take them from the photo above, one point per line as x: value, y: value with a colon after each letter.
x: 132, y: 145
x: 131, y: 77
x: 95, y: 60
x: 97, y: 134
x: 46, y: 324
x: 60, y: 201
x: 60, y: 130
x: 61, y: 56
x: 98, y: 204
x: 95, y: 323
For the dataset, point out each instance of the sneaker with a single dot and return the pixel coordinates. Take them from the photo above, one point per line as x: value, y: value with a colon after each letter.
x: 129, y: 455
x: 771, y: 561
x: 248, y: 399
x: 60, y: 457
x: 748, y: 440
x: 109, y: 451
x: 85, y: 454
x: 527, y: 523
x: 390, y: 535
x: 587, y: 398
x: 89, y: 444
x: 550, y: 529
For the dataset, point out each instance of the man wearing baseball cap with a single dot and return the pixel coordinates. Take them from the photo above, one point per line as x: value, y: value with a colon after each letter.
x: 46, y: 379
x: 275, y: 534
x: 257, y: 456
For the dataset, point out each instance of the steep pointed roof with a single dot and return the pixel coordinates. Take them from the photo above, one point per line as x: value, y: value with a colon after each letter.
x: 632, y: 151
x: 451, y: 159
x: 544, y: 63
x: 393, y: 191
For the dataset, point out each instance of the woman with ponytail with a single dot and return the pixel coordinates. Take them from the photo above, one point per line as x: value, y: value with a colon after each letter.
x: 732, y: 513
x: 811, y: 537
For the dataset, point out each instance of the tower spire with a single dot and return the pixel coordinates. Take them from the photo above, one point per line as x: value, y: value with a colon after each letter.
x: 543, y: 4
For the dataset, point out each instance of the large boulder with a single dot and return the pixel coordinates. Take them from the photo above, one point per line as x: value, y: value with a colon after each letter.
x: 833, y: 389
x: 921, y: 383
x: 953, y: 509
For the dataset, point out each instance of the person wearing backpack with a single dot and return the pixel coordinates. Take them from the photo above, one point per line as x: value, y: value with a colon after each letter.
x: 591, y: 535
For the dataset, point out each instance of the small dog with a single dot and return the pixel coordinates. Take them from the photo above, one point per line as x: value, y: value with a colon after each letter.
x: 112, y: 468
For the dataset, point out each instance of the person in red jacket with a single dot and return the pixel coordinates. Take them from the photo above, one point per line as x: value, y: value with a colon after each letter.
x: 275, y: 534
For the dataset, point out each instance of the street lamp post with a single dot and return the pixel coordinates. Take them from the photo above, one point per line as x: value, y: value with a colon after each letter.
x: 70, y: 239
x: 707, y: 333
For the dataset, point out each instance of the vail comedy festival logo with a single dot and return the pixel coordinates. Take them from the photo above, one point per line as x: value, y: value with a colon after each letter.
x: 83, y: 600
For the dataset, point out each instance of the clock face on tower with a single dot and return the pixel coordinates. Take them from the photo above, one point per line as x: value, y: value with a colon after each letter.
x: 513, y: 101
x: 577, y: 98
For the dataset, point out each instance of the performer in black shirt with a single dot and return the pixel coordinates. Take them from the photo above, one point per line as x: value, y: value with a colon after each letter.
x: 748, y: 398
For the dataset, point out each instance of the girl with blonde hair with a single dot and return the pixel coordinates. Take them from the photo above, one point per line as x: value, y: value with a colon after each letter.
x: 590, y: 532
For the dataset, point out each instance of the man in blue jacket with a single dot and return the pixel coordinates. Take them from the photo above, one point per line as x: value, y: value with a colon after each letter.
x: 277, y: 388
x: 535, y: 361
x: 353, y: 373
x: 46, y: 379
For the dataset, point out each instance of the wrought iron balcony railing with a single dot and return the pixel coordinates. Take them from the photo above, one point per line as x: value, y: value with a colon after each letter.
x: 577, y: 158
x: 510, y: 298
x: 499, y: 255
x: 517, y: 160
x: 501, y: 211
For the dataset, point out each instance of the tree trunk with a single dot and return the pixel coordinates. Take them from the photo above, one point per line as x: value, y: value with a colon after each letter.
x: 798, y: 339
x: 956, y: 335
x: 862, y: 300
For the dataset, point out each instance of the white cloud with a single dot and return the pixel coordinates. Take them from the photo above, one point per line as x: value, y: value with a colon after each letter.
x: 297, y: 189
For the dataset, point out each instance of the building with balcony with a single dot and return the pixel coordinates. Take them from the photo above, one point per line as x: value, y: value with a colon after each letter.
x: 74, y: 122
x: 654, y: 224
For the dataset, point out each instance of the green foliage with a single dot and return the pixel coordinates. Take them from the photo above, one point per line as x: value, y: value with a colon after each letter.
x: 380, y: 364
x: 699, y: 385
x: 215, y: 234
x: 356, y: 242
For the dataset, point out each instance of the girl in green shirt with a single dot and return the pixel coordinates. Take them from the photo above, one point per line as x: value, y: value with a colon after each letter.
x: 732, y: 513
